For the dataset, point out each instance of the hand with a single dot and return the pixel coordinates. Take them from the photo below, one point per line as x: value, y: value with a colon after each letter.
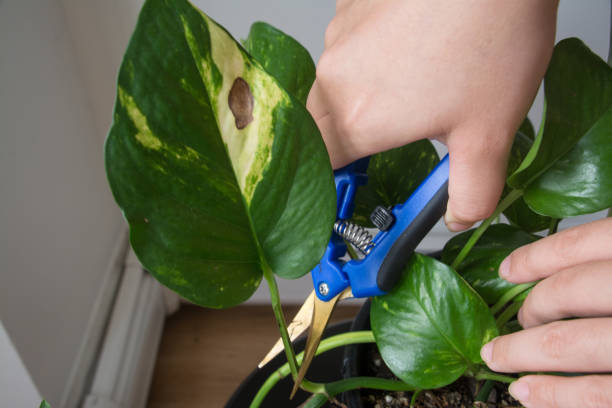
x: 463, y: 72
x: 576, y: 271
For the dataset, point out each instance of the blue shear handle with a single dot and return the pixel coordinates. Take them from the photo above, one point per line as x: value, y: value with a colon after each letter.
x: 378, y: 272
x: 428, y: 202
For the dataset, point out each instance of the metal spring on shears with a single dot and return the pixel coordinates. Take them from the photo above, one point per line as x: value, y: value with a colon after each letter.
x: 355, y: 234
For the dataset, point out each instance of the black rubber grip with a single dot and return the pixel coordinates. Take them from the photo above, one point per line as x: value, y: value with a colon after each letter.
x: 401, y: 251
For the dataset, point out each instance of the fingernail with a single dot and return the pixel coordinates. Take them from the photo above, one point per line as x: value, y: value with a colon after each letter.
x: 520, y: 391
x: 504, y: 268
x: 453, y: 224
x: 486, y: 352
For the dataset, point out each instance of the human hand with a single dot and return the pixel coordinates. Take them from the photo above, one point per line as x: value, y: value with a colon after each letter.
x: 463, y: 72
x: 575, y: 266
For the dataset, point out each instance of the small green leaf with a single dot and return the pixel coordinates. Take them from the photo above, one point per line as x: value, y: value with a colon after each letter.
x: 44, y: 404
x: 283, y: 57
x: 430, y: 328
x: 220, y: 172
x: 480, y: 267
x: 568, y: 168
x: 392, y: 176
x: 519, y: 213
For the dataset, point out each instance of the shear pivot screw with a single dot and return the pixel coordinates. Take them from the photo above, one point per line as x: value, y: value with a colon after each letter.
x: 323, y: 289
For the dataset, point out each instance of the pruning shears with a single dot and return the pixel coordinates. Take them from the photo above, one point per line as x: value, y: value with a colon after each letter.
x: 401, y: 229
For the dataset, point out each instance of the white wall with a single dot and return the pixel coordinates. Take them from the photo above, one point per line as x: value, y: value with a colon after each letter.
x: 58, y: 221
x: 16, y: 386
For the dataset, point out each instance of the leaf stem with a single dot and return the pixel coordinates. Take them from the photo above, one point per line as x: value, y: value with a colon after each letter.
x: 507, y: 314
x: 415, y: 395
x: 490, y: 375
x: 505, y: 203
x: 280, y: 319
x: 554, y: 225
x: 485, y: 391
x: 329, y: 343
x: 509, y: 295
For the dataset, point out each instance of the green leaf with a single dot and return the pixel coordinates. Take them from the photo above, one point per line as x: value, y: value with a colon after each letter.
x: 519, y: 213
x: 44, y: 404
x: 480, y: 267
x: 283, y: 57
x: 578, y: 92
x: 220, y: 172
x: 430, y: 328
x: 392, y: 176
x: 526, y: 129
x: 581, y: 181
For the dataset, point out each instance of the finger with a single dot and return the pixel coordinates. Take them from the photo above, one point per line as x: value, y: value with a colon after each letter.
x: 547, y: 391
x: 316, y: 102
x: 477, y: 176
x: 569, y: 346
x: 584, y: 243
x: 318, y: 108
x: 581, y: 291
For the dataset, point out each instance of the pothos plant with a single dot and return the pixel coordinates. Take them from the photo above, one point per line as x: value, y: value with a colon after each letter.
x: 224, y: 179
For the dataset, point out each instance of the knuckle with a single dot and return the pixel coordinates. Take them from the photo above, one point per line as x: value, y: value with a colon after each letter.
x: 331, y: 32
x: 349, y: 120
x: 546, y: 392
x: 555, y: 341
x: 597, y: 395
x: 565, y: 244
x: 325, y: 67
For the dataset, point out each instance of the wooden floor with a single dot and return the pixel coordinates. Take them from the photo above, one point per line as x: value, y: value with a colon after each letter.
x: 205, y: 354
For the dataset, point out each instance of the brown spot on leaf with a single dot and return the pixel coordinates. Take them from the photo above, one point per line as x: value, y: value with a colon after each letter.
x: 240, y: 100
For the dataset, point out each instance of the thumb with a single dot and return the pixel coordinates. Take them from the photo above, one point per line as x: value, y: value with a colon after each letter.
x: 476, y: 177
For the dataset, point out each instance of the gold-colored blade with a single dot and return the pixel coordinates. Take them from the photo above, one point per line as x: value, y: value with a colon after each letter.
x: 321, y: 313
x: 298, y: 325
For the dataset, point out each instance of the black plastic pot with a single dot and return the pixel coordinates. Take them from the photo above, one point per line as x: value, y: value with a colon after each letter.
x: 354, y: 357
x: 326, y: 369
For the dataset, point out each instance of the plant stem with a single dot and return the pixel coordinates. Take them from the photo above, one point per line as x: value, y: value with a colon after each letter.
x: 554, y: 224
x: 375, y: 383
x: 415, y: 395
x: 505, y: 203
x: 329, y: 343
x: 280, y: 319
x: 490, y: 375
x: 507, y: 314
x: 509, y: 295
x: 485, y: 390
x: 337, y: 387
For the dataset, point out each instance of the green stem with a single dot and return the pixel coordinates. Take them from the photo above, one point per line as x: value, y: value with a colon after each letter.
x: 375, y: 383
x: 485, y: 391
x: 505, y: 203
x: 415, y: 395
x: 280, y: 319
x: 337, y: 387
x: 507, y: 314
x: 554, y: 225
x: 490, y: 375
x: 509, y: 295
x: 329, y: 343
